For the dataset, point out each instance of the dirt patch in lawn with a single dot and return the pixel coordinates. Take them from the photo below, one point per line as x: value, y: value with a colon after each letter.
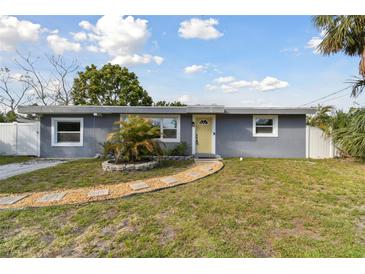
x: 298, y: 229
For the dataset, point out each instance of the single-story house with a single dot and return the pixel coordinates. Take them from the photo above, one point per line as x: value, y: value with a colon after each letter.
x: 80, y: 131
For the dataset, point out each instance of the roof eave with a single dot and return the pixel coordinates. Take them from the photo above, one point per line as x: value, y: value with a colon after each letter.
x: 268, y: 110
x: 196, y: 109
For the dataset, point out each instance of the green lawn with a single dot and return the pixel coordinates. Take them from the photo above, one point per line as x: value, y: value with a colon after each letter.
x: 4, y: 160
x: 253, y: 208
x: 81, y: 173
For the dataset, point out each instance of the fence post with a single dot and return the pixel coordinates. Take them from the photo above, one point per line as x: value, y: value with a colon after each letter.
x: 307, y: 142
x: 16, y: 137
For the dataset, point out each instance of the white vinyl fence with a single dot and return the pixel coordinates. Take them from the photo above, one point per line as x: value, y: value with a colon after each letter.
x: 20, y: 139
x: 318, y: 145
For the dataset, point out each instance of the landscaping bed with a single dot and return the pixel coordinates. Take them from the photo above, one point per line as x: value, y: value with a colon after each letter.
x: 111, y: 166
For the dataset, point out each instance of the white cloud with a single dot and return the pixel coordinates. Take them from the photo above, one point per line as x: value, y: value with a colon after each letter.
x: 92, y: 48
x: 79, y: 36
x: 185, y: 99
x: 14, y: 31
x: 194, y: 69
x: 294, y: 50
x: 314, y: 42
x: 269, y: 83
x: 86, y: 25
x: 229, y: 84
x: 199, y: 29
x: 225, y: 79
x: 136, y: 59
x: 120, y: 37
x: 211, y: 87
x: 158, y: 60
x: 59, y: 44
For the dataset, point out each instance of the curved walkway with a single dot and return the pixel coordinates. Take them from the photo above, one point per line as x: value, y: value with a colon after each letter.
x: 105, y: 192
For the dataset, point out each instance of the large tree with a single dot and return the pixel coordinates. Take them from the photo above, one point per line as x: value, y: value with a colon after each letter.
x: 109, y: 85
x: 168, y: 104
x: 344, y: 33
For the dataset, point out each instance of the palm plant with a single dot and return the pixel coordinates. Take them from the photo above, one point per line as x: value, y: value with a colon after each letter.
x: 135, y: 137
x: 344, y: 33
x: 351, y: 137
x: 322, y: 119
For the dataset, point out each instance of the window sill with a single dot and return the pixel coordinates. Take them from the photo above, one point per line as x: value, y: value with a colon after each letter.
x: 265, y: 135
x: 169, y: 140
x: 67, y: 145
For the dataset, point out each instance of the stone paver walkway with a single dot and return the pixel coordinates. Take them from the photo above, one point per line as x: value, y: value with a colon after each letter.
x: 104, y: 192
x: 9, y: 200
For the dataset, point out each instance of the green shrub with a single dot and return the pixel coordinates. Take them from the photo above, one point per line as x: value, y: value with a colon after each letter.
x: 178, y: 150
x: 135, y: 138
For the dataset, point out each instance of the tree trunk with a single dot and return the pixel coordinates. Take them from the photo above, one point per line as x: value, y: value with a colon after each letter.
x: 362, y: 64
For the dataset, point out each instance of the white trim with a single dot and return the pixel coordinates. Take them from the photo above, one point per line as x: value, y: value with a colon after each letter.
x: 39, y: 139
x: 213, y: 134
x: 307, y: 132
x: 193, y: 134
x: 193, y: 139
x: 161, y: 116
x: 275, y: 126
x: 54, y: 122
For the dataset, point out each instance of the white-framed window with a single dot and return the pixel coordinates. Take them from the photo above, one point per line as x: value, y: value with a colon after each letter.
x: 265, y: 126
x: 67, y: 131
x: 169, y: 126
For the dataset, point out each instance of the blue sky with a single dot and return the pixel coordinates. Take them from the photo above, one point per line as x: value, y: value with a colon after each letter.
x: 231, y: 60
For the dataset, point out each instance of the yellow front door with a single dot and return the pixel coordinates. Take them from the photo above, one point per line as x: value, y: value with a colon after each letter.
x: 204, y: 134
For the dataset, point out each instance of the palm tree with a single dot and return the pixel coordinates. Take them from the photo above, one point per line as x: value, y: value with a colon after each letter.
x: 322, y: 119
x: 135, y: 137
x: 350, y: 139
x: 344, y: 33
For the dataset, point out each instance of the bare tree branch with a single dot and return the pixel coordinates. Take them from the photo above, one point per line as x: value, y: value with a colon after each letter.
x: 11, y: 96
x: 63, y: 72
x: 56, y: 89
x: 32, y: 77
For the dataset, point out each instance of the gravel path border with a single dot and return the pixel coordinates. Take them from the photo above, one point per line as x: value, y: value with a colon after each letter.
x: 200, y: 170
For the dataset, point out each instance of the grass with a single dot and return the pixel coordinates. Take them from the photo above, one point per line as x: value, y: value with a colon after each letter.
x: 253, y: 208
x: 81, y: 173
x: 4, y: 160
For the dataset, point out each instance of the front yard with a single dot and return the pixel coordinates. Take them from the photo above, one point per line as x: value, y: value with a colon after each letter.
x: 253, y: 208
x: 82, y: 173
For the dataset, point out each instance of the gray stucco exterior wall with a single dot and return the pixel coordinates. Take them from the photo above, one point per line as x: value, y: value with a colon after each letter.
x: 96, y: 129
x: 95, y: 132
x: 186, y: 131
x: 234, y: 137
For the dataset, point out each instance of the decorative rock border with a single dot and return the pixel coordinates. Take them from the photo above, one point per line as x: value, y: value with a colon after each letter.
x: 105, y: 192
x: 175, y: 158
x: 109, y: 166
